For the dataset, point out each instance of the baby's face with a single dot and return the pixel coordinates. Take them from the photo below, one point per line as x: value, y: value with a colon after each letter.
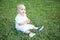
x: 22, y: 10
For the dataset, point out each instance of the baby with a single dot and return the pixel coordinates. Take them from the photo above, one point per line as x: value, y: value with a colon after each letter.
x: 23, y: 22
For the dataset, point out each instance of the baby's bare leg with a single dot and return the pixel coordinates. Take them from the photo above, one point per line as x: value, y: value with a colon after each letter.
x: 32, y: 26
x: 30, y: 33
x: 27, y: 31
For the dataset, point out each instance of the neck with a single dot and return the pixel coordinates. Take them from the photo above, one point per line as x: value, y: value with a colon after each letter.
x: 22, y: 14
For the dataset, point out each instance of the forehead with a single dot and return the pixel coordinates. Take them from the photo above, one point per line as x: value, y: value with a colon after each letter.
x: 21, y: 6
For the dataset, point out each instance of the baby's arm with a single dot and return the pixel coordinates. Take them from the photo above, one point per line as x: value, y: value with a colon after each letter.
x: 22, y: 23
x: 25, y: 22
x: 28, y: 20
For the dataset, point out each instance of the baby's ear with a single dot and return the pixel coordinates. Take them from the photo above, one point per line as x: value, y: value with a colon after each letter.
x: 16, y: 8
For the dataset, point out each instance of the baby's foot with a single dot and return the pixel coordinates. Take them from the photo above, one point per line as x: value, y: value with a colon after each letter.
x: 31, y: 34
x: 40, y: 28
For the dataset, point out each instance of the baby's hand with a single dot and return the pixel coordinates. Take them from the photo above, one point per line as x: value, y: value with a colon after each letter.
x: 28, y: 20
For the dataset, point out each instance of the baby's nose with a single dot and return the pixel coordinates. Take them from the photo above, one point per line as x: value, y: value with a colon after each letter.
x: 24, y: 11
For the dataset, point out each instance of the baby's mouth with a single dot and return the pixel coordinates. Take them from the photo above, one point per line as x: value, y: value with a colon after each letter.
x: 24, y: 12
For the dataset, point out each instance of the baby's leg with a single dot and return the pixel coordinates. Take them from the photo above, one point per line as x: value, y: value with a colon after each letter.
x: 37, y: 28
x: 30, y: 33
x: 30, y: 26
x: 27, y: 31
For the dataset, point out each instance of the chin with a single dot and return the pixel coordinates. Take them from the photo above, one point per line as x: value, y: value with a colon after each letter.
x: 23, y: 13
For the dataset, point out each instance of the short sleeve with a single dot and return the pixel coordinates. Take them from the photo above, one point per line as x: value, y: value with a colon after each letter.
x: 18, y: 19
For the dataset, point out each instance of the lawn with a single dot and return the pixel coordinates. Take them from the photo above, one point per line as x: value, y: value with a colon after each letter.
x: 41, y: 12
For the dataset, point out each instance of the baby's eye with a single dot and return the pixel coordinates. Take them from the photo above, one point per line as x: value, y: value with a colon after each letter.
x: 22, y: 9
x: 18, y: 8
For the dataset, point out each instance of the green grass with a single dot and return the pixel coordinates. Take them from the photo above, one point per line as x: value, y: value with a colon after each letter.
x: 41, y: 12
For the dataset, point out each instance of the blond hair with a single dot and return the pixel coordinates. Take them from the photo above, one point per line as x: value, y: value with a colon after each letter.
x: 20, y: 6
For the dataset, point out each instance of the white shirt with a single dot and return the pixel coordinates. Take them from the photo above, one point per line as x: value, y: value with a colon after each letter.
x: 19, y: 18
